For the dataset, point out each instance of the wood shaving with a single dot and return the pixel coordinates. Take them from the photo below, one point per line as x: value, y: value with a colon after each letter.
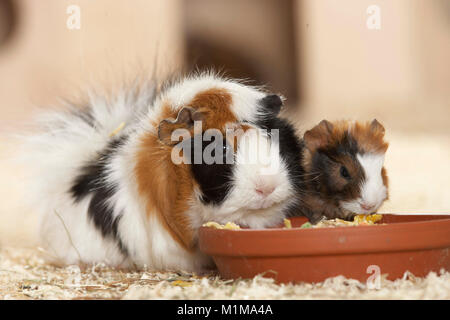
x: 117, y: 130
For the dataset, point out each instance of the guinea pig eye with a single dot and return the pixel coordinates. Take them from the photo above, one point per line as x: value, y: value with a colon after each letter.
x: 228, y: 150
x: 344, y: 173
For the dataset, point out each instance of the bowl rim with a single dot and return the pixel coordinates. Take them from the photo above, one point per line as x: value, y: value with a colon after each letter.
x: 394, y: 237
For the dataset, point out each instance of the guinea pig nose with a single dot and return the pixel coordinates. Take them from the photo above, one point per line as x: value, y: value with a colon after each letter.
x: 264, y: 190
x: 367, y: 206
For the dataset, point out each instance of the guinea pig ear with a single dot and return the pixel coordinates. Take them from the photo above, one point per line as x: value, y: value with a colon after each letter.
x: 377, y: 127
x: 185, y: 120
x: 318, y: 136
x: 272, y: 103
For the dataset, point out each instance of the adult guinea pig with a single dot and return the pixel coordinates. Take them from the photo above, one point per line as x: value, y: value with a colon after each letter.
x: 109, y: 187
x: 343, y: 170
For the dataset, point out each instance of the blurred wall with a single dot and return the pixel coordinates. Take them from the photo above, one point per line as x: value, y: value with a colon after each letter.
x: 44, y: 58
x: 399, y: 73
x: 251, y: 39
x: 344, y: 68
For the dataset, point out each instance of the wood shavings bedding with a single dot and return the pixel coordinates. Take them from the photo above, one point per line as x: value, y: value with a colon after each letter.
x: 24, y: 274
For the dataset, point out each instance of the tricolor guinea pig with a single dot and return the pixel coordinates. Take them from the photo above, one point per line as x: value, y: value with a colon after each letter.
x: 344, y: 173
x: 114, y: 182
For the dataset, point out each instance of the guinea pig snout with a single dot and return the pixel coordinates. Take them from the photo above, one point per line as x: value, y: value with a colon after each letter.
x: 265, y: 185
x: 367, y: 206
x: 264, y: 190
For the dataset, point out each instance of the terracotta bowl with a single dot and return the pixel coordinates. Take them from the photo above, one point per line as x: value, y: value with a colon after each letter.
x: 417, y: 243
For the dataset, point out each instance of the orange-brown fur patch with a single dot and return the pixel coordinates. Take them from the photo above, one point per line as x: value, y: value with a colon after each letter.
x: 168, y: 187
x: 370, y: 137
x: 215, y: 104
x: 385, y: 181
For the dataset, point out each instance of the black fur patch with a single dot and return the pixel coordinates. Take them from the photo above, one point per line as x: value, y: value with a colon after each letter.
x: 91, y: 181
x: 271, y: 104
x: 215, y: 178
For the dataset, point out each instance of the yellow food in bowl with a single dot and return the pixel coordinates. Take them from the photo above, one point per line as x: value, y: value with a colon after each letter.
x: 367, y: 218
x: 287, y: 224
x: 358, y: 220
x: 228, y: 225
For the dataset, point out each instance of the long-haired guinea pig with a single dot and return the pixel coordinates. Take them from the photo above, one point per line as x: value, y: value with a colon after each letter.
x: 344, y: 173
x: 108, y: 189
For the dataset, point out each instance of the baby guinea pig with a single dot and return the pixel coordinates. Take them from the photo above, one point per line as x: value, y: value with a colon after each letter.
x: 108, y: 188
x: 344, y: 173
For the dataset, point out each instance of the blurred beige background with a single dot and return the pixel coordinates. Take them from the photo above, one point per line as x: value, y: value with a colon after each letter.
x: 319, y: 53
